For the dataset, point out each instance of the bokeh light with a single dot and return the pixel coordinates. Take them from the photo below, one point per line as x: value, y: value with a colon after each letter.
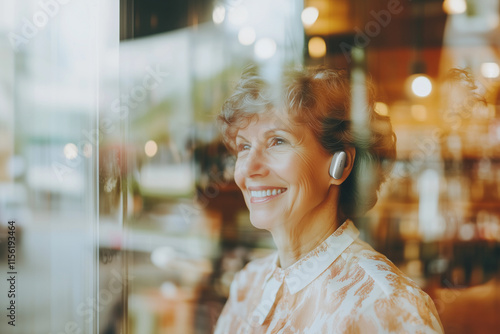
x: 421, y: 86
x: 454, y: 6
x: 161, y: 256
x: 87, y: 150
x: 381, y: 108
x: 265, y: 48
x: 490, y: 70
x: 151, y: 148
x: 246, y: 36
x: 70, y: 151
x: 309, y: 16
x: 317, y: 47
x: 219, y: 14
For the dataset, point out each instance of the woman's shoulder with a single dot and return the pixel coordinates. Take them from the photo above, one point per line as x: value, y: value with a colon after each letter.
x: 386, y: 295
x: 388, y: 278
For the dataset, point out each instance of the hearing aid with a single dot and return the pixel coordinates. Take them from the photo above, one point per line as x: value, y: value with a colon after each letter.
x: 337, y: 165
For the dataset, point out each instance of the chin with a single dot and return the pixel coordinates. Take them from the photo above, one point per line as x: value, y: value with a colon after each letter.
x: 263, y: 223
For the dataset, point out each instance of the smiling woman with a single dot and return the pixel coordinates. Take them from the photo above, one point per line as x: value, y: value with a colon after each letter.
x: 281, y: 159
x: 323, y: 278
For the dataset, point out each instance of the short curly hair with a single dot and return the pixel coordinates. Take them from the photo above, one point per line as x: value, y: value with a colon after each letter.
x: 320, y: 98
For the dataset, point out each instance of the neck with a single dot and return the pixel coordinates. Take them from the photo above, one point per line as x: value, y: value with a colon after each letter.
x: 295, y: 239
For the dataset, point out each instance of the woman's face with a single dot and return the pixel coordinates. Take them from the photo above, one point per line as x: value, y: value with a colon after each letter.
x: 282, y: 171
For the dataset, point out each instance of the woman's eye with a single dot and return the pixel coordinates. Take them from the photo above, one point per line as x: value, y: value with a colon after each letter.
x: 278, y: 141
x: 242, y: 147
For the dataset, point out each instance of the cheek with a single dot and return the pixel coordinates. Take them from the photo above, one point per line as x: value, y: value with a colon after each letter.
x: 238, y: 176
x: 312, y: 174
x: 309, y: 168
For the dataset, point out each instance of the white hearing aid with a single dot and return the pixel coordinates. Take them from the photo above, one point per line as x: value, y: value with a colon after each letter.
x: 337, y: 165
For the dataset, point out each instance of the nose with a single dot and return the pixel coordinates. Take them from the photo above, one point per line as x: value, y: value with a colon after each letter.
x: 254, y: 164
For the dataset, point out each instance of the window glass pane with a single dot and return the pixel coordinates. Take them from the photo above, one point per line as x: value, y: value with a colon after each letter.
x: 54, y: 68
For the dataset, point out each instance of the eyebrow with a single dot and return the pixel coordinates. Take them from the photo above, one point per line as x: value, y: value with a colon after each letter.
x: 280, y: 129
x: 268, y: 132
x: 240, y: 136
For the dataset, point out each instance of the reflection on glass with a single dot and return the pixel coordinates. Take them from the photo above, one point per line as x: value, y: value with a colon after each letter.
x: 51, y: 85
x: 126, y: 211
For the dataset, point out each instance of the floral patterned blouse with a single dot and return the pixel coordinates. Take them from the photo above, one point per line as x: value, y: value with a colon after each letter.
x: 342, y: 286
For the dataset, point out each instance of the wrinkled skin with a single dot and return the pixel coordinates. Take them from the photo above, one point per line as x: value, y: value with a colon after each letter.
x: 286, y: 156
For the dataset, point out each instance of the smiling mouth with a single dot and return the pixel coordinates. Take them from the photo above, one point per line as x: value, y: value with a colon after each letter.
x: 258, y: 196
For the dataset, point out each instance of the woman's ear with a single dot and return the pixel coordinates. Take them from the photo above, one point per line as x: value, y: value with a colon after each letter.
x: 350, y: 154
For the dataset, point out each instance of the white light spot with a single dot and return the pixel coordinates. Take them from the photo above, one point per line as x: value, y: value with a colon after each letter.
x: 162, y: 256
x: 421, y: 86
x: 219, y: 14
x: 309, y: 16
x: 454, y: 6
x: 150, y: 148
x: 70, y: 151
x: 265, y: 48
x: 238, y: 15
x: 490, y: 70
x: 246, y: 36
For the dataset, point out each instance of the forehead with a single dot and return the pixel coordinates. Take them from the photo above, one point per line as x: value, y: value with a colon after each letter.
x: 269, y: 121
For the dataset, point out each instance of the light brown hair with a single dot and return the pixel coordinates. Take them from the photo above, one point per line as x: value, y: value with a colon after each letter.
x: 320, y: 99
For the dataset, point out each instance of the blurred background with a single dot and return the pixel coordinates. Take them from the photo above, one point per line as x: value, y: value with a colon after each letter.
x: 126, y: 215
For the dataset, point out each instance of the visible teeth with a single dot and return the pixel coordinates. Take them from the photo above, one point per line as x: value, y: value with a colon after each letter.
x: 264, y: 193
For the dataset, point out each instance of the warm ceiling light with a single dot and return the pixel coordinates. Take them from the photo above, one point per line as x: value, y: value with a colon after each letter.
x: 150, y: 148
x: 246, y: 36
x: 490, y: 70
x: 219, y: 14
x: 309, y: 16
x: 421, y: 85
x: 265, y: 48
x: 381, y: 108
x: 317, y: 47
x: 455, y: 6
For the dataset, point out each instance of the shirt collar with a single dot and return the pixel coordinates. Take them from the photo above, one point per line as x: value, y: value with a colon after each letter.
x: 309, y: 267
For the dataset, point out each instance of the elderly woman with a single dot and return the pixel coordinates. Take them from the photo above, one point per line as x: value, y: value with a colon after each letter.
x: 305, y: 170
